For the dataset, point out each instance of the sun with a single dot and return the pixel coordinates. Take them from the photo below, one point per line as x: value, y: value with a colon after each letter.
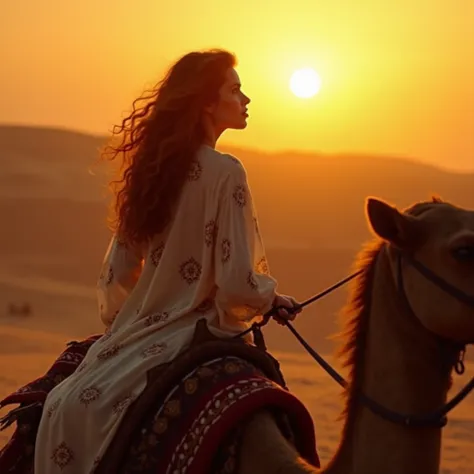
x: 305, y: 83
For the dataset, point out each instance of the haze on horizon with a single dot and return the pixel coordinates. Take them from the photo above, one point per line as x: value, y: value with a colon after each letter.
x: 397, y: 77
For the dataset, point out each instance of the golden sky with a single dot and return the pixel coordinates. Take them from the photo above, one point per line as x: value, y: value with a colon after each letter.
x: 398, y: 76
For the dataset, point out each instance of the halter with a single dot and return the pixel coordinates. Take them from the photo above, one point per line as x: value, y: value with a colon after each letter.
x: 435, y: 419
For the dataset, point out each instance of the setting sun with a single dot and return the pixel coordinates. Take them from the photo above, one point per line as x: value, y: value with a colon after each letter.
x: 305, y: 83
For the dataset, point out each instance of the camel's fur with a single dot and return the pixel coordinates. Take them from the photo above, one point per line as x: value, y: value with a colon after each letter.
x: 402, y: 361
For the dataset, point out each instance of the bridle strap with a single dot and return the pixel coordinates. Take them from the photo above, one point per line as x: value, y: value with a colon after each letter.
x: 441, y: 283
x: 436, y: 419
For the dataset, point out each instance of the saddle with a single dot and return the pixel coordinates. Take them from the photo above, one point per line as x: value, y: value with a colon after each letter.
x: 177, y: 408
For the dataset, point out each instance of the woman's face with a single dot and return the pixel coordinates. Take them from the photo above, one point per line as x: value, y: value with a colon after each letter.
x: 230, y: 111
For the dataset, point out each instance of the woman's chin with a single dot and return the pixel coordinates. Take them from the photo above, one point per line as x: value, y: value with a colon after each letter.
x: 238, y: 124
x: 243, y: 124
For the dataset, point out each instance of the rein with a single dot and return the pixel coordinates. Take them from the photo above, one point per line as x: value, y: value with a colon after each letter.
x: 437, y: 418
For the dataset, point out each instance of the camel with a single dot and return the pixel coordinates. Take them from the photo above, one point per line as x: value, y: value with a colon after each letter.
x: 404, y: 332
x: 400, y: 352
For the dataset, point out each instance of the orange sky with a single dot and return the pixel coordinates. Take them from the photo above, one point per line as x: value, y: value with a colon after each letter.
x: 398, y: 77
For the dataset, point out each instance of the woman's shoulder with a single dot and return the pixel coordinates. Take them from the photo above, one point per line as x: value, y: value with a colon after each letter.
x: 221, y: 165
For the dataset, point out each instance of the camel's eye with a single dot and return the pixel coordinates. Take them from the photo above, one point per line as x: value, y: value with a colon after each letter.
x: 463, y: 253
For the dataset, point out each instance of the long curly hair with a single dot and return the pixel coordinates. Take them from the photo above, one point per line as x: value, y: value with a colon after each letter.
x: 158, y: 142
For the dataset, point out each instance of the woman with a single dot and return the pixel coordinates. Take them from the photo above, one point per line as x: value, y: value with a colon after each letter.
x: 186, y: 246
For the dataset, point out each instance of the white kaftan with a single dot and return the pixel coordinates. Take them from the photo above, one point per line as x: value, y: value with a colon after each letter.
x: 210, y: 262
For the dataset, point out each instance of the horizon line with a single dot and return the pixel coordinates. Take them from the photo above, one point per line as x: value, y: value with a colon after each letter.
x: 279, y: 151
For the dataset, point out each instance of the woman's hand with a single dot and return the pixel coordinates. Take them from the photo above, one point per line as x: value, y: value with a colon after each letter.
x: 282, y: 302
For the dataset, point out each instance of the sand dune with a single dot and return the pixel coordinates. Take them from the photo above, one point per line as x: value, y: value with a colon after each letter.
x: 310, y: 207
x: 25, y: 354
x: 311, y: 210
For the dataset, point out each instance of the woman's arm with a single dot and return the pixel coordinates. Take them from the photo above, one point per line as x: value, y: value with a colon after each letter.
x: 121, y: 269
x: 245, y: 288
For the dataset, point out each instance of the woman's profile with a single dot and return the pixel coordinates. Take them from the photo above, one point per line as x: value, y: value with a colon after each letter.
x: 186, y: 245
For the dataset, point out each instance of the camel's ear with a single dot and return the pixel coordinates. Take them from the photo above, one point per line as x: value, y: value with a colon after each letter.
x: 391, y: 225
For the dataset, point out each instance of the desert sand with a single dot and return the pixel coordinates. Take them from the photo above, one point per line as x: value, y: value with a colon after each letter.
x: 54, y: 235
x: 27, y: 353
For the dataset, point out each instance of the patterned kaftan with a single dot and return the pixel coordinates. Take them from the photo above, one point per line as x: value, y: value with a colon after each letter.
x: 210, y: 262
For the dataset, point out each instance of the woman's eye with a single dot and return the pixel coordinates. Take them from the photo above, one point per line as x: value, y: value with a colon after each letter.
x: 464, y: 253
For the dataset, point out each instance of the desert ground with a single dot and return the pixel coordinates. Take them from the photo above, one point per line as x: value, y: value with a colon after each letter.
x: 54, y: 235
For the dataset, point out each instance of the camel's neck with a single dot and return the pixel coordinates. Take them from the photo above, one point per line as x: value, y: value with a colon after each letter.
x: 402, y: 371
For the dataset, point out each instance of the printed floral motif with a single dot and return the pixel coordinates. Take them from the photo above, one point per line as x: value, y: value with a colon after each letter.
x: 89, y: 395
x: 153, y: 350
x: 160, y: 425
x: 156, y: 318
x: 121, y: 405
x: 240, y: 195
x: 53, y: 407
x: 232, y: 367
x: 195, y: 171
x: 109, y: 352
x: 110, y: 276
x: 210, y: 232
x: 226, y: 247
x: 190, y: 385
x: 190, y: 271
x: 218, y: 403
x: 62, y: 455
x: 172, y: 408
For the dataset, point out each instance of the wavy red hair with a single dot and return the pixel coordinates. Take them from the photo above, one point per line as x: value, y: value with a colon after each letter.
x: 158, y: 141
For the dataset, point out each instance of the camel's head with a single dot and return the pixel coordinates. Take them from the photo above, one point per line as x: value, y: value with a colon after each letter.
x: 440, y: 237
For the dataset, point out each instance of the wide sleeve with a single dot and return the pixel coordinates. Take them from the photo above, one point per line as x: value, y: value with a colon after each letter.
x: 121, y: 268
x: 245, y: 288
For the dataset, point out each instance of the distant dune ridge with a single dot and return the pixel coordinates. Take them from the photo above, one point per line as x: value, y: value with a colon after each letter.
x: 311, y: 208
